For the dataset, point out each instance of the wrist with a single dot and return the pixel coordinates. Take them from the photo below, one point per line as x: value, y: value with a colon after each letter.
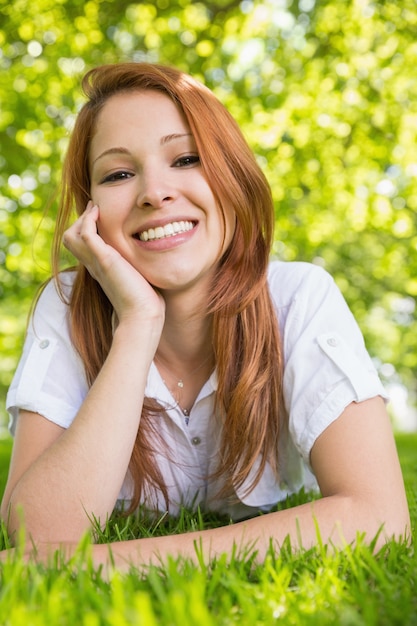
x: 132, y: 331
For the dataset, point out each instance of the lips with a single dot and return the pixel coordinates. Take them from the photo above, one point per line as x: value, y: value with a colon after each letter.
x: 168, y: 230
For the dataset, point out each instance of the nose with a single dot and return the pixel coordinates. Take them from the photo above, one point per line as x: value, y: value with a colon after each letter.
x: 155, y: 190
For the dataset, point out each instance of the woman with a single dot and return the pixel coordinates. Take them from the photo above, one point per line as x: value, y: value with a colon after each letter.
x: 175, y: 365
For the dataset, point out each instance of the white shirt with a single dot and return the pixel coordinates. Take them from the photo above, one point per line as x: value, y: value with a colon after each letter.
x: 326, y: 367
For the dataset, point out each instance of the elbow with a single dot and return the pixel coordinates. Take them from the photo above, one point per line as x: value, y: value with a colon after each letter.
x: 387, y: 523
x: 4, y: 508
x: 5, y: 504
x: 8, y: 519
x: 12, y: 511
x: 396, y: 526
x: 377, y: 522
x: 13, y: 520
x: 28, y: 522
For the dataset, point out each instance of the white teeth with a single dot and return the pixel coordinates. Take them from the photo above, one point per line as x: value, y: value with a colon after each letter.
x: 173, y: 228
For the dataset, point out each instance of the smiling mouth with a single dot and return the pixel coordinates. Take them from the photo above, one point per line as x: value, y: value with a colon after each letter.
x: 169, y: 230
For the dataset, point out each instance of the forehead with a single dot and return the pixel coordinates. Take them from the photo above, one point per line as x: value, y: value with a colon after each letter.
x: 141, y: 109
x: 136, y: 119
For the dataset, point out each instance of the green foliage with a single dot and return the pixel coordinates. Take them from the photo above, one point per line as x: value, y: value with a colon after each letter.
x: 325, y: 92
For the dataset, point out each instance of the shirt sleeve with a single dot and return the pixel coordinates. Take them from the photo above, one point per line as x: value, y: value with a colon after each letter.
x: 50, y: 378
x: 327, y: 365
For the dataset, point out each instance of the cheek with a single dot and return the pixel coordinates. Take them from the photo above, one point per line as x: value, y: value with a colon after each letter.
x: 110, y: 214
x: 229, y: 227
x: 107, y: 198
x: 107, y: 226
x: 231, y: 220
x: 226, y: 217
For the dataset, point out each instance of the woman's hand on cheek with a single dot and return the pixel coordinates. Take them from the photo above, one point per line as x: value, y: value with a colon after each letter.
x: 128, y: 291
x: 84, y: 242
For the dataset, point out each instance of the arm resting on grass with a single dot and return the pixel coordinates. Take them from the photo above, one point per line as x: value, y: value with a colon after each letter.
x: 357, y: 467
x: 58, y: 477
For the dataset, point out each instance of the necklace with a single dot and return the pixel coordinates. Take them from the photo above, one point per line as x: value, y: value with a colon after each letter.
x: 180, y: 384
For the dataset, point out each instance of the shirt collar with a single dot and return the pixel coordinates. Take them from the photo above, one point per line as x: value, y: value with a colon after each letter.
x: 155, y: 387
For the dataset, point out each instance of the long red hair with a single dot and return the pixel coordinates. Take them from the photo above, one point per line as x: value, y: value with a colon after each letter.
x: 249, y: 362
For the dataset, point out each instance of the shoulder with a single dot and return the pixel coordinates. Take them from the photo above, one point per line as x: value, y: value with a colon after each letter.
x: 51, y: 304
x: 51, y: 291
x: 56, y: 292
x: 309, y: 305
x: 289, y: 281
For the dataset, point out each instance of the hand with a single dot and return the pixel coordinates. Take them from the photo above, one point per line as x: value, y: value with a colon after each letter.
x: 129, y: 292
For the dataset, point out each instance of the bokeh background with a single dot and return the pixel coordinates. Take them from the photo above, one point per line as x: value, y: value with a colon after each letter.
x: 326, y: 94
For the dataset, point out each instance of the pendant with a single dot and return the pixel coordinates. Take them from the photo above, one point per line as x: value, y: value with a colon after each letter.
x: 180, y: 384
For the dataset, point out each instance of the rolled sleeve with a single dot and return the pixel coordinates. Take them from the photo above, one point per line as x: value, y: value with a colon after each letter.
x: 50, y: 378
x: 327, y: 365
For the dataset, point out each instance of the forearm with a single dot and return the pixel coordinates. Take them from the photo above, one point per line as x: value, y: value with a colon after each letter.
x: 81, y: 473
x: 335, y: 520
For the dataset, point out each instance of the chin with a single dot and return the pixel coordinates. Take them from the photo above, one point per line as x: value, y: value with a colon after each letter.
x: 180, y: 282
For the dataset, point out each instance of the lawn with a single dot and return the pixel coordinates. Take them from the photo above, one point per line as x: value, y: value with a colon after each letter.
x: 353, y: 586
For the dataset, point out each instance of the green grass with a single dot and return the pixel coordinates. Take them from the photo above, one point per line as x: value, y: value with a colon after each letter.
x: 352, y: 587
x: 5, y: 450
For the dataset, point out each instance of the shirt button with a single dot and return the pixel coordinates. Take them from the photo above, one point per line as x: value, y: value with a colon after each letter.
x: 196, y: 441
x: 44, y: 344
x: 332, y: 342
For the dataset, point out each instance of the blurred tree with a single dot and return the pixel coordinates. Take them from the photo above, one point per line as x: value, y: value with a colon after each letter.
x: 324, y: 91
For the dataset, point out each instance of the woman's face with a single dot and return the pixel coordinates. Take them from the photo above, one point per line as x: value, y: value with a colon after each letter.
x: 156, y: 207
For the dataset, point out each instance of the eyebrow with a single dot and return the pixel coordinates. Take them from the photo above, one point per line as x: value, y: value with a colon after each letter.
x: 118, y: 150
x: 163, y: 141
x: 173, y: 137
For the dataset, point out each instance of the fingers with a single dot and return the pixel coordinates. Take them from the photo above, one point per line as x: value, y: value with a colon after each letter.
x: 126, y: 288
x: 84, y: 242
x: 83, y: 228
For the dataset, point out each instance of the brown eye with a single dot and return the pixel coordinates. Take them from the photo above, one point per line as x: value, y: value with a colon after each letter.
x: 117, y: 176
x: 187, y: 161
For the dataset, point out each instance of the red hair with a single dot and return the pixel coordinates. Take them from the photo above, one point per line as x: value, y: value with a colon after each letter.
x: 249, y: 363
